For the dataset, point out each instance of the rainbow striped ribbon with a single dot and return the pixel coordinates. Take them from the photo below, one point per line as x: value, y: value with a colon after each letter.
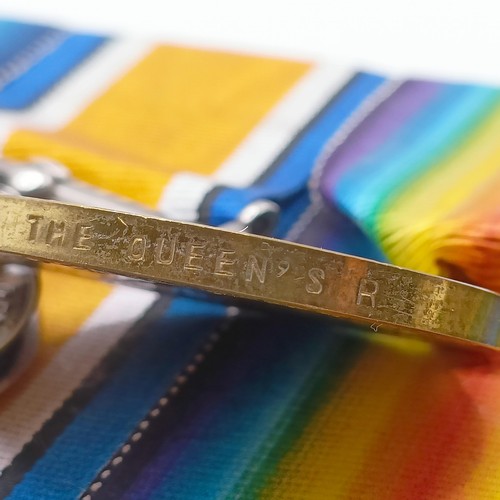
x: 133, y: 395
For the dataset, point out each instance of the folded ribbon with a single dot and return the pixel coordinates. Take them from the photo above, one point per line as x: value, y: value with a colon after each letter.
x: 133, y: 395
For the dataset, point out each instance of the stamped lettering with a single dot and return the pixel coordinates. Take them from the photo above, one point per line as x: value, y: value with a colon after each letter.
x: 367, y: 291
x: 316, y: 277
x: 433, y: 311
x: 34, y: 221
x: 247, y: 266
x: 256, y: 268
x: 283, y: 268
x: 194, y: 257
x: 224, y: 263
x: 82, y: 239
x: 137, y: 249
x: 165, y: 250
x: 55, y: 233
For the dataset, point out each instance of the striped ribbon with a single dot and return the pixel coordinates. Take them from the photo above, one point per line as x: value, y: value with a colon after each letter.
x: 133, y: 395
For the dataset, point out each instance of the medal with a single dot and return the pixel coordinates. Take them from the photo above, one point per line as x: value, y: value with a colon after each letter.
x: 251, y: 267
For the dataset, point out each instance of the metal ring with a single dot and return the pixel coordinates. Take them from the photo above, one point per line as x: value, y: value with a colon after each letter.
x: 16, y: 356
x: 18, y: 302
x: 18, y: 298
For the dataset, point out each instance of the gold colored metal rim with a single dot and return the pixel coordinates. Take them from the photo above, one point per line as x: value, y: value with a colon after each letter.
x: 249, y: 267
